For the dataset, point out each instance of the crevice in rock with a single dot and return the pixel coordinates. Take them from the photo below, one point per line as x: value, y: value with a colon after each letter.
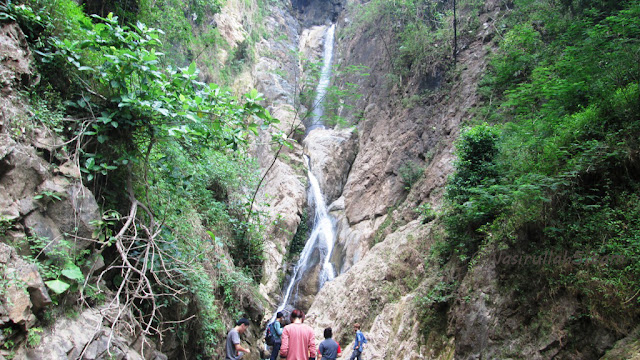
x: 316, y: 12
x: 5, y: 167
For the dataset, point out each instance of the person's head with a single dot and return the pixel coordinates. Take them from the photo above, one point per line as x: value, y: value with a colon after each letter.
x: 279, y: 316
x: 242, y: 325
x: 356, y: 327
x: 297, y: 314
x: 328, y: 333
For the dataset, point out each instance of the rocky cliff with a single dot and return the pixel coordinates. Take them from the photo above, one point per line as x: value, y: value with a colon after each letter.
x: 385, y: 278
x: 386, y: 281
x: 45, y: 206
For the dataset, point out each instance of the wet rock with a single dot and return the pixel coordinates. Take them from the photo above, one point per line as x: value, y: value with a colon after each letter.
x: 316, y: 12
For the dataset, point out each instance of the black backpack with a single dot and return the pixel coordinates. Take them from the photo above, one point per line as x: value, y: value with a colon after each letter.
x: 269, y: 337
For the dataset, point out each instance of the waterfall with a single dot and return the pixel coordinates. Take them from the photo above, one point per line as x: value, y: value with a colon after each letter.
x: 323, y: 83
x: 322, y: 238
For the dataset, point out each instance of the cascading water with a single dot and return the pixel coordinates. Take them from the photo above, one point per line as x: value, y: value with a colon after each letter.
x: 322, y: 238
x: 322, y: 235
x: 323, y: 83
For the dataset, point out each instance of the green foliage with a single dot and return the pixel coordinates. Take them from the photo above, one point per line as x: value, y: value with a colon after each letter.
x: 143, y: 104
x: 58, y: 263
x: 521, y: 47
x: 559, y: 173
x: 423, y: 35
x: 8, y: 333
x: 432, y: 307
x: 209, y: 320
x: 170, y: 140
x: 426, y: 212
x: 6, y: 223
x: 410, y: 173
x: 49, y: 195
x: 301, y: 236
x: 187, y: 26
x: 474, y: 195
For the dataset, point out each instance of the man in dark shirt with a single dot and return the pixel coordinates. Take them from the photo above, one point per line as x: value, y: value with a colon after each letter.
x: 329, y: 348
x: 277, y: 336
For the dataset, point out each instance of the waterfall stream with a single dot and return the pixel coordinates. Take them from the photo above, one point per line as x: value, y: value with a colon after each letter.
x: 323, y: 83
x: 322, y: 236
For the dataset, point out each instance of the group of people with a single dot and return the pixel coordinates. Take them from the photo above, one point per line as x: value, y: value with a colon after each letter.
x: 295, y: 341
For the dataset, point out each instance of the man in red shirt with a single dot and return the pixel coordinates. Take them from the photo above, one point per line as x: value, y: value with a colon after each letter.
x: 298, y: 339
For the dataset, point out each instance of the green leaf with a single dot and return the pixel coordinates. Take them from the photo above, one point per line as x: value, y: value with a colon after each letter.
x: 57, y: 286
x: 73, y: 272
x: 192, y: 69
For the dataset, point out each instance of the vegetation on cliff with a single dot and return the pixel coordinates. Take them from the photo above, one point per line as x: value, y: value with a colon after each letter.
x: 550, y: 165
x: 545, y: 182
x: 165, y: 154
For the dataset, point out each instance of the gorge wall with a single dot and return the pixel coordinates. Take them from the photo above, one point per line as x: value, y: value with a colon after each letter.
x: 385, y: 278
x: 382, y: 244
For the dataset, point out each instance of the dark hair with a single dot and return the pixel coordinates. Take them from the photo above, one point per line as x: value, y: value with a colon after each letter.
x: 243, y: 321
x: 328, y: 333
x: 278, y: 315
x: 357, y: 326
x: 296, y: 314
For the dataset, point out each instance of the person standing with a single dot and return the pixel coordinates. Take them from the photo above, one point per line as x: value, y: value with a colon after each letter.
x: 234, y: 350
x: 329, y: 349
x: 298, y: 340
x: 277, y: 336
x: 358, y: 346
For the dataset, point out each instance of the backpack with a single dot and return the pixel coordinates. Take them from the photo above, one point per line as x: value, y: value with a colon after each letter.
x: 269, y: 336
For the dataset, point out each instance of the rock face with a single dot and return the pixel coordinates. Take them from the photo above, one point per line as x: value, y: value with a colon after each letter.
x: 18, y: 305
x: 15, y: 66
x: 317, y: 12
x: 55, y: 207
x: 331, y: 153
x: 282, y: 195
x: 385, y: 281
x: 88, y: 336
x: 43, y: 204
x: 379, y: 293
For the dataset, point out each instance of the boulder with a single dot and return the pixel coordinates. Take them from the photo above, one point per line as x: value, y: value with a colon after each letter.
x: 331, y: 153
x: 45, y: 228
x: 76, y: 214
x: 370, y: 293
x: 21, y: 171
x: 25, y: 292
x: 89, y: 337
x: 15, y: 62
x: 45, y: 139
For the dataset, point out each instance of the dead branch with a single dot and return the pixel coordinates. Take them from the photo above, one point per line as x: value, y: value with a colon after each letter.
x: 143, y: 267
